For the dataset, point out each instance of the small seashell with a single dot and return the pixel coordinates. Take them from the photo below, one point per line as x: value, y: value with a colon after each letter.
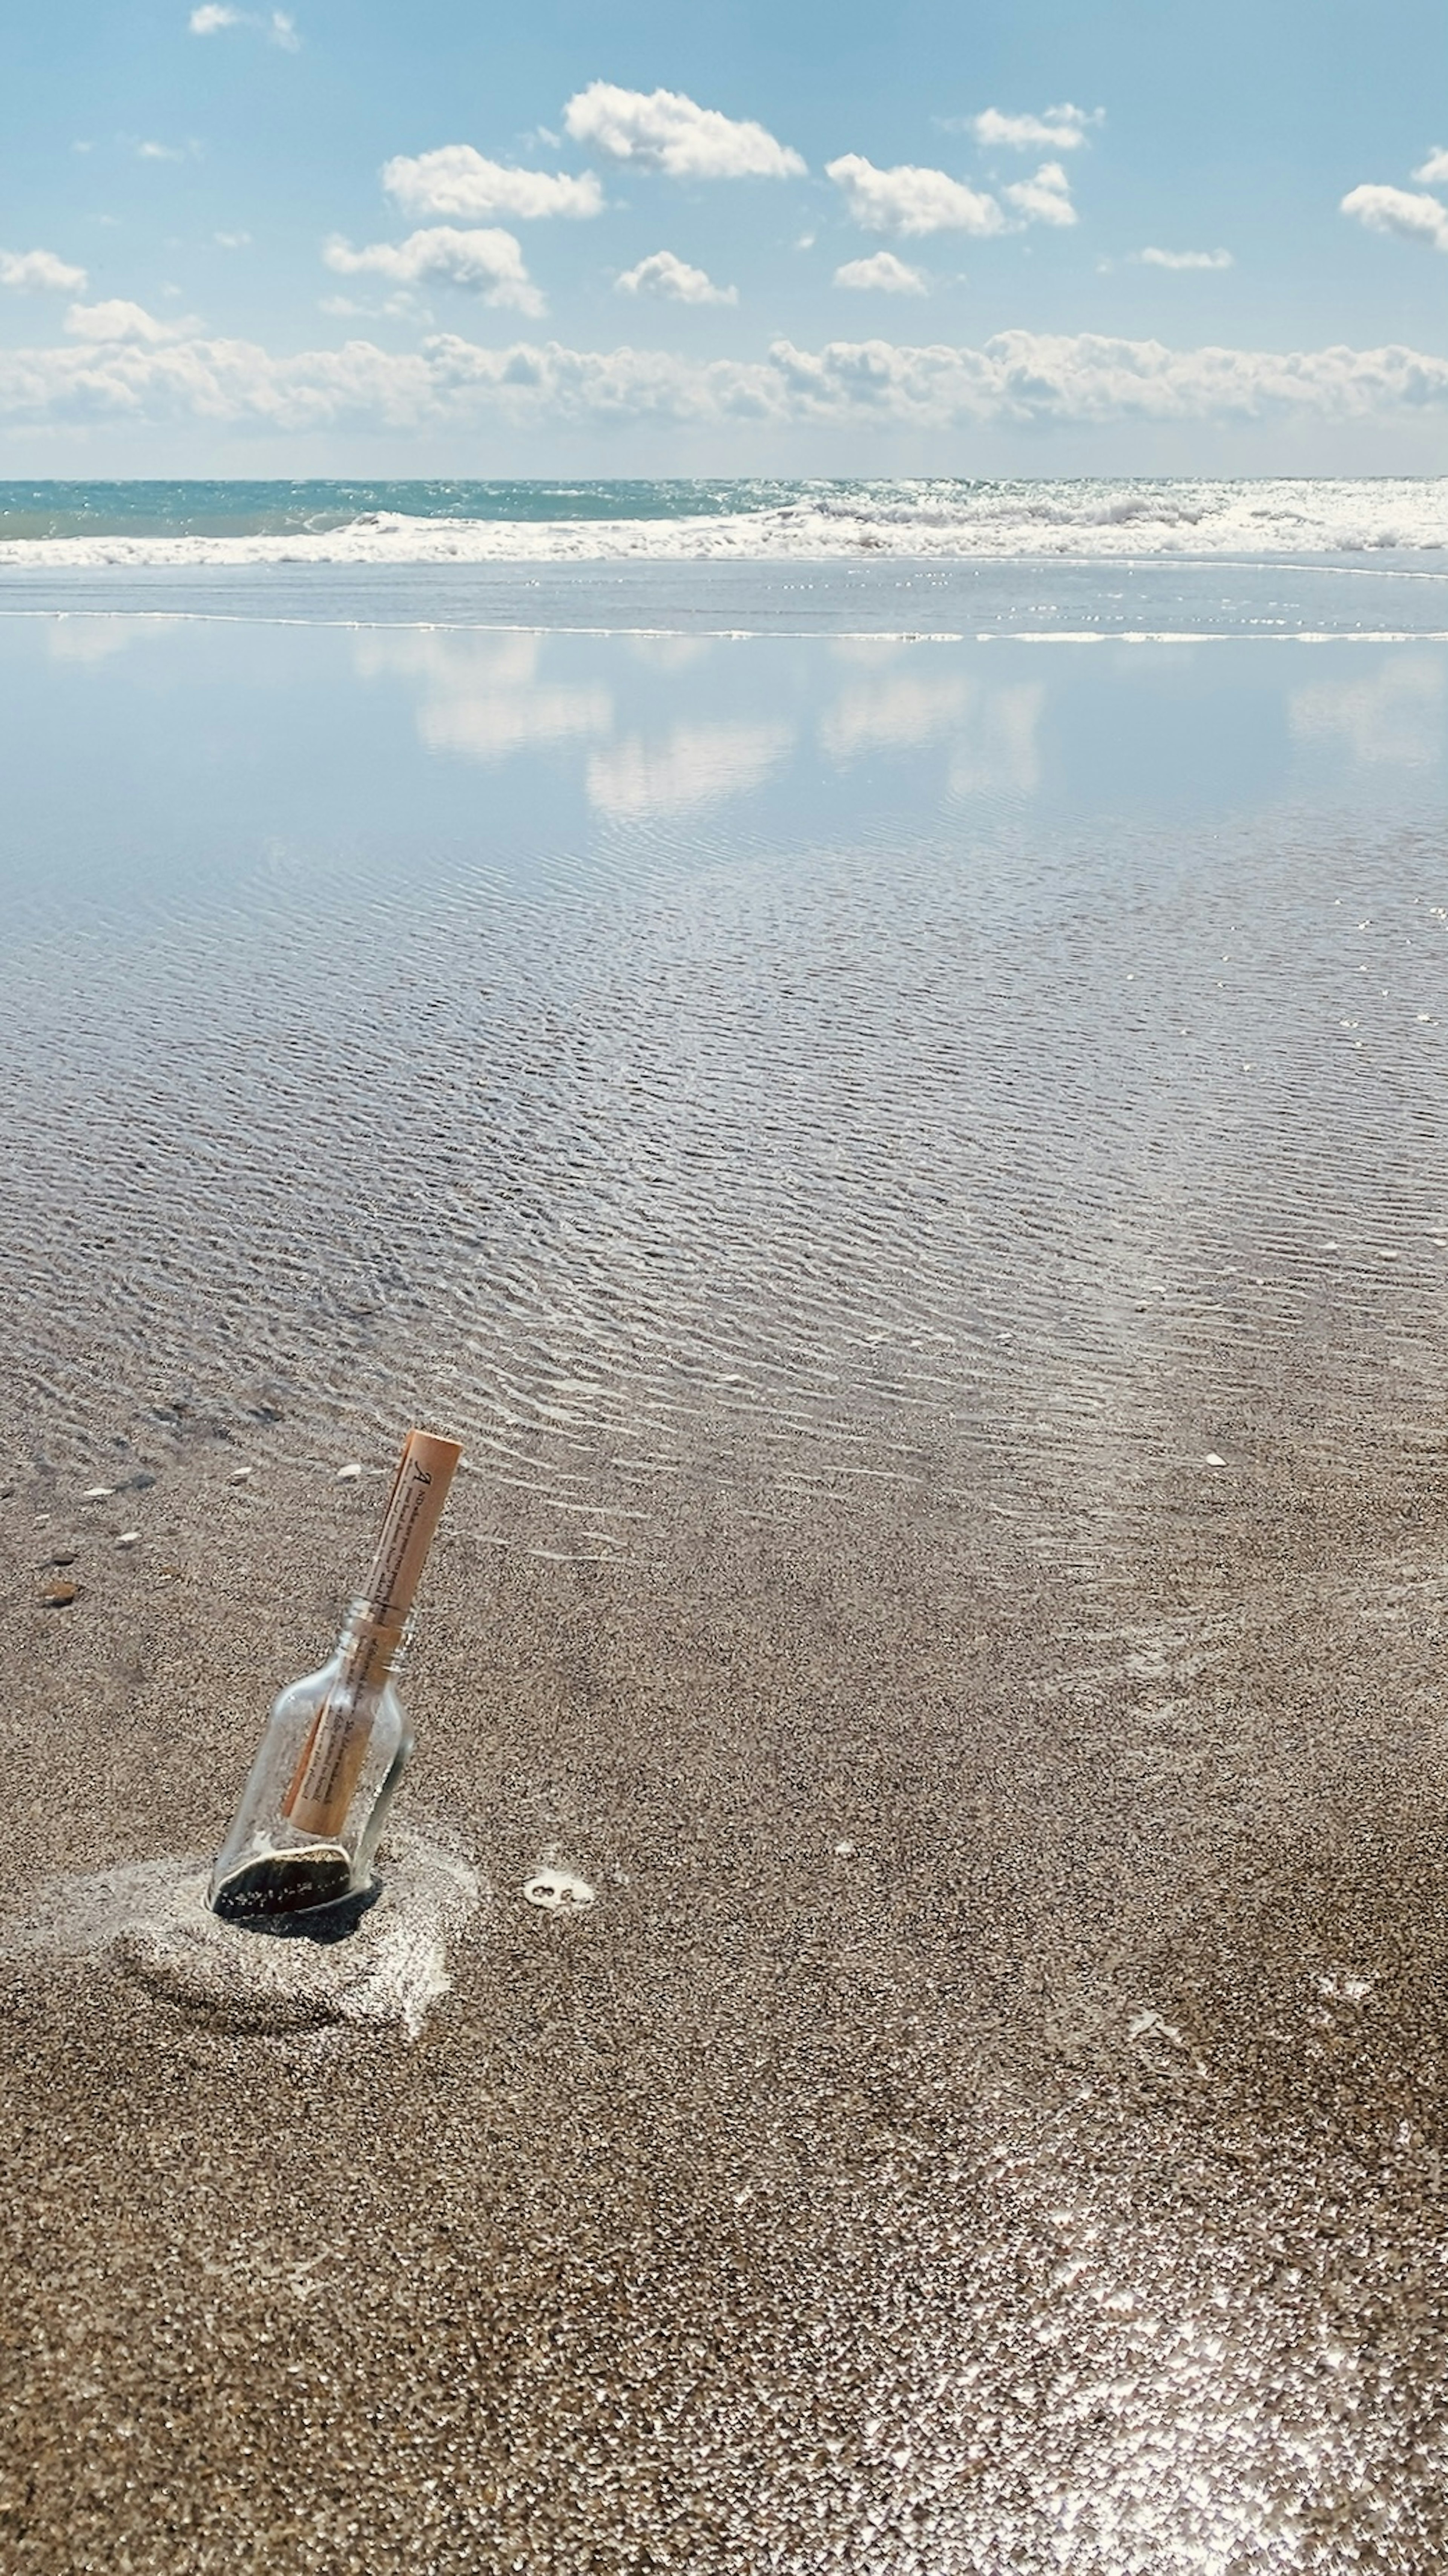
x: 239, y: 1476
x: 558, y: 1891
x: 129, y: 1538
x: 97, y: 1493
x: 1212, y: 1460
x: 349, y: 1475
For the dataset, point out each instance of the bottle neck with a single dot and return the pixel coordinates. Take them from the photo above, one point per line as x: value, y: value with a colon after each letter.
x: 370, y: 1650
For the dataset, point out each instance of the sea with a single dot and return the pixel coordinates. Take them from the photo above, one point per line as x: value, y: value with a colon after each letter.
x: 235, y: 522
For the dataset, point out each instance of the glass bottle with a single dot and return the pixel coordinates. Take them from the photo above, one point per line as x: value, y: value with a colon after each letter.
x: 306, y: 1831
x: 285, y: 1854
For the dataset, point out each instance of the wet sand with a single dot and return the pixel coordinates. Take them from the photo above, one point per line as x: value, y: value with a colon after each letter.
x: 951, y: 1552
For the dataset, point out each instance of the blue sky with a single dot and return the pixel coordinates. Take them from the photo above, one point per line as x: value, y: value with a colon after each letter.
x: 1032, y: 238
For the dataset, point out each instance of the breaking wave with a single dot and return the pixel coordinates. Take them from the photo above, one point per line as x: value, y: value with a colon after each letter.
x: 91, y: 527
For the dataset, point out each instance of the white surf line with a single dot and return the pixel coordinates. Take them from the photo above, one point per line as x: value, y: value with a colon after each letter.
x: 748, y: 634
x: 1213, y: 635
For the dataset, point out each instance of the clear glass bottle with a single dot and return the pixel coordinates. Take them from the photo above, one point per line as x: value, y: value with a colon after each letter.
x: 306, y: 1831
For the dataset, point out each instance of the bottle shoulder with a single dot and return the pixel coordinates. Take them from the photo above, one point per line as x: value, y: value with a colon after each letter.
x: 306, y: 1694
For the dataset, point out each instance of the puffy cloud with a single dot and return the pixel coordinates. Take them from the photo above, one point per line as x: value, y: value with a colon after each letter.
x: 278, y: 27
x: 1435, y: 168
x: 1046, y: 199
x: 698, y: 764
x: 883, y: 274
x: 487, y: 263
x: 662, y: 130
x: 1183, y: 258
x: 663, y: 274
x: 132, y: 369
x: 911, y: 200
x: 456, y: 180
x: 1085, y: 376
x: 166, y: 152
x: 1394, y: 210
x: 115, y: 322
x: 1061, y: 129
x: 33, y: 270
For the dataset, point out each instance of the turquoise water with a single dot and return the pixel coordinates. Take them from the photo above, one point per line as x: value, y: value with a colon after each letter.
x: 239, y: 509
x: 947, y: 519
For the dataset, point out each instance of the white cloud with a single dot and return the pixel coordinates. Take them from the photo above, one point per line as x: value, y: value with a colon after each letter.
x: 1183, y: 258
x: 31, y: 271
x: 1046, y: 199
x: 166, y: 152
x: 481, y: 697
x: 138, y: 370
x: 401, y: 307
x: 487, y: 263
x: 910, y: 200
x: 662, y: 130
x: 116, y: 322
x: 456, y: 180
x: 1435, y: 168
x: 698, y: 764
x: 663, y: 274
x: 883, y: 274
x: 1397, y: 715
x: 232, y: 241
x: 278, y: 26
x: 1393, y: 210
x: 1061, y: 129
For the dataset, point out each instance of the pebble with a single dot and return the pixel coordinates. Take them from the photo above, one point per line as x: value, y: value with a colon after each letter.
x: 63, y: 1556
x: 97, y: 1493
x: 239, y: 1476
x: 129, y: 1538
x: 349, y: 1475
x: 1212, y: 1460
x: 59, y: 1595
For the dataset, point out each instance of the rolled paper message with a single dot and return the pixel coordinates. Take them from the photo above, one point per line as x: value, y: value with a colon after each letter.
x: 331, y: 1760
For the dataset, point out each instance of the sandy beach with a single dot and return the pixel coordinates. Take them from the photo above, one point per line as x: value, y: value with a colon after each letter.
x: 937, y: 1256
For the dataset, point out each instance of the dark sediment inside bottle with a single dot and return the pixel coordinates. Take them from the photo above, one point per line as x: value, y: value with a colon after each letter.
x: 294, y: 1882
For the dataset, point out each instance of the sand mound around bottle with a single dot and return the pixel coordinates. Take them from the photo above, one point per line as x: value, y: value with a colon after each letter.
x: 150, y: 1920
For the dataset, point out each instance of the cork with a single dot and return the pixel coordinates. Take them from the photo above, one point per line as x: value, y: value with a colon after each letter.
x: 326, y: 1775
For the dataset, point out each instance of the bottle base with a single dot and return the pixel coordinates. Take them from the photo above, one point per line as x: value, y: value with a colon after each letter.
x: 313, y: 1881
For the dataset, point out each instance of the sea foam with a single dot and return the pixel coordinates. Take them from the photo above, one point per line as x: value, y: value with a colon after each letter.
x: 943, y: 521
